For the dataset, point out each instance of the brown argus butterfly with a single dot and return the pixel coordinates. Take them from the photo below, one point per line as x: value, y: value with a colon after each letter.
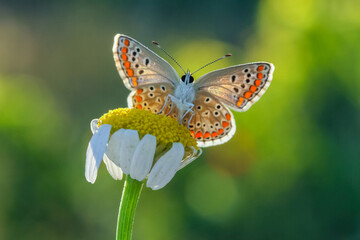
x: 202, y: 105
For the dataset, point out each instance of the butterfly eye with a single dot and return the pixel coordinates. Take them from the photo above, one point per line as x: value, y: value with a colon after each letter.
x: 191, y: 79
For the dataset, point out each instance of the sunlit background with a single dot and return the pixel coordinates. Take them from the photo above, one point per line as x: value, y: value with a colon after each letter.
x: 292, y: 170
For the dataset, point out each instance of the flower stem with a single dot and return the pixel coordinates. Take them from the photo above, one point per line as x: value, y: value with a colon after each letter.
x: 129, y: 199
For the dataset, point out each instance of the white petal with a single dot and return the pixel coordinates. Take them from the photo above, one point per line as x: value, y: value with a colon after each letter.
x: 113, y: 147
x: 166, y: 167
x: 93, y: 125
x: 143, y: 157
x: 190, y: 159
x: 114, y: 170
x: 95, y: 151
x: 128, y: 145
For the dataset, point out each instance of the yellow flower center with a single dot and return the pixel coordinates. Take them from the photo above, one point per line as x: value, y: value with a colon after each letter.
x: 165, y: 129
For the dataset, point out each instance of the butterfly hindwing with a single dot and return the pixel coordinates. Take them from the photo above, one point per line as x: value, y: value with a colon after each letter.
x: 139, y: 66
x: 239, y: 86
x: 212, y: 122
x: 153, y: 98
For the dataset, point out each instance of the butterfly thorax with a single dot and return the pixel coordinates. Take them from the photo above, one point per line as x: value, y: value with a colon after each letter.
x: 185, y: 93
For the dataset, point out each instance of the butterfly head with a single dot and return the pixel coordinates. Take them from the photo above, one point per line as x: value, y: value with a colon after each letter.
x: 187, y: 78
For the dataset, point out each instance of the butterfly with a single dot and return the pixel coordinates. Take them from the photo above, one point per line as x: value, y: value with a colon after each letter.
x: 201, y: 105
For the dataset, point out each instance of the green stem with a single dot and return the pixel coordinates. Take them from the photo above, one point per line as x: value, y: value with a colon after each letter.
x: 129, y: 199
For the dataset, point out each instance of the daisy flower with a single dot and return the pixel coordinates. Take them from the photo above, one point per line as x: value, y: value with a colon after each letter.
x: 145, y: 147
x: 140, y: 144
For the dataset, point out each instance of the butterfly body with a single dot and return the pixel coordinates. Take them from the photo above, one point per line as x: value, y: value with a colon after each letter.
x: 201, y: 105
x: 184, y: 96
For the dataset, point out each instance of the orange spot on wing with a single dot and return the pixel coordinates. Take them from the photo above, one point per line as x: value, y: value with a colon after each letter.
x: 221, y: 131
x: 124, y: 50
x: 138, y: 106
x: 124, y: 57
x: 139, y: 91
x: 138, y: 98
x: 260, y: 76
x: 258, y: 82
x: 253, y: 89
x: 127, y: 42
x: 127, y: 64
x: 198, y: 135
x: 130, y: 72
x: 214, y: 134
x: 134, y: 81
x: 240, y: 101
x: 192, y: 133
x: 247, y: 95
x: 206, y: 135
x: 225, y: 124
x: 260, y: 68
x: 228, y: 116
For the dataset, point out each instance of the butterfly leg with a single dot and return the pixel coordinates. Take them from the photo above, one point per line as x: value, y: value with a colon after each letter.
x: 166, y: 102
x: 189, y: 110
x: 192, y: 114
x: 171, y: 108
x: 190, y: 107
x: 177, y: 102
x: 183, y: 107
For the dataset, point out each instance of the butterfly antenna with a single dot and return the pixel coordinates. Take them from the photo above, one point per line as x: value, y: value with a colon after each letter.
x: 158, y: 45
x: 227, y: 55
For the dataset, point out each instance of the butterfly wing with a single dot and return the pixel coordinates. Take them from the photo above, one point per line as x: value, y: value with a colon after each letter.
x: 153, y: 98
x: 139, y: 66
x: 212, y: 123
x: 239, y: 86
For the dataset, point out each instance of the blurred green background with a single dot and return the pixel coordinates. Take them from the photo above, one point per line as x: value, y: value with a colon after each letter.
x: 292, y: 170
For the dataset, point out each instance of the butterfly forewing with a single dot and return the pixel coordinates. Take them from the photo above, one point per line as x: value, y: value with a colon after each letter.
x: 139, y: 66
x: 240, y: 86
x: 212, y: 123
